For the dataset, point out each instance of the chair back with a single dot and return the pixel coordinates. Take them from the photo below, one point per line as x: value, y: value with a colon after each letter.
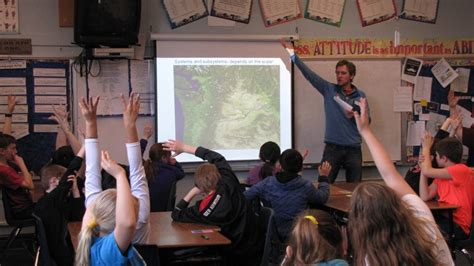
x: 44, y: 255
x: 8, y: 210
x: 266, y: 219
x: 172, y: 197
x: 468, y: 241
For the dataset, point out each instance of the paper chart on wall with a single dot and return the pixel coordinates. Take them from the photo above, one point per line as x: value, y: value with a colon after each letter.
x: 325, y: 11
x: 112, y: 81
x: 141, y: 79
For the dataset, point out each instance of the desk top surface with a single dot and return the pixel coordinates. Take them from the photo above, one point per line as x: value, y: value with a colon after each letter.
x: 168, y: 234
x: 341, y: 194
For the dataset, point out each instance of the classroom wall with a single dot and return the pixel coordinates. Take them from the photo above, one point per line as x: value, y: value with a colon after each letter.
x: 455, y: 19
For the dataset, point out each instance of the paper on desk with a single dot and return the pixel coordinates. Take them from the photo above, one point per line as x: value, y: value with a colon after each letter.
x: 415, y: 133
x: 422, y: 88
x: 402, y: 99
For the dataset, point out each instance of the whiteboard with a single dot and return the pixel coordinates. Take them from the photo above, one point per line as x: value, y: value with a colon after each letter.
x: 377, y: 78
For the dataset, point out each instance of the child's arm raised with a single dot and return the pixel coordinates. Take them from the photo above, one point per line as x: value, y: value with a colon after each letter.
x: 93, y: 178
x: 138, y: 181
x: 125, y: 215
x: 426, y: 167
x: 7, y: 124
x: 382, y: 160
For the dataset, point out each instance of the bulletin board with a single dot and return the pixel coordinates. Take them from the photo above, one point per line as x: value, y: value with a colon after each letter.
x: 37, y: 85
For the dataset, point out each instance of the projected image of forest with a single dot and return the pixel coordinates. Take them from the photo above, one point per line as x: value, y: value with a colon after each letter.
x: 227, y: 107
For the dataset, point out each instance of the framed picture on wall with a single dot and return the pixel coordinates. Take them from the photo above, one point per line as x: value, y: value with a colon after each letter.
x: 9, y: 17
x: 325, y: 11
x: 420, y: 10
x: 376, y: 11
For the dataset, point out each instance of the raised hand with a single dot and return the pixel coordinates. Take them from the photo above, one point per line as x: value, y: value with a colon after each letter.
x: 60, y: 115
x: 111, y: 166
x: 11, y: 103
x: 89, y: 108
x: 452, y: 99
x: 427, y: 140
x: 174, y: 146
x: 130, y: 109
x: 324, y: 169
x: 362, y: 118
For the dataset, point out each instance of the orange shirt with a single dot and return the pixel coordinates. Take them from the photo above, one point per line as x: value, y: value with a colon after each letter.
x: 458, y: 190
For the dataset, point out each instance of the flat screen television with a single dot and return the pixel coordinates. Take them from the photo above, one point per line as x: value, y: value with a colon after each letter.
x: 113, y: 23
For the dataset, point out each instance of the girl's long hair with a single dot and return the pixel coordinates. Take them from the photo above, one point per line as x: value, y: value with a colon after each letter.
x: 155, y: 154
x: 269, y: 154
x: 311, y: 243
x: 103, y: 212
x: 384, y: 231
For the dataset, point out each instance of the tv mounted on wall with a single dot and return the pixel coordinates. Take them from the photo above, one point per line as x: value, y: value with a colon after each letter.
x: 112, y: 23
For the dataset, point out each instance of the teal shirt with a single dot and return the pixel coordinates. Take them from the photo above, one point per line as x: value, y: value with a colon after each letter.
x: 105, y: 251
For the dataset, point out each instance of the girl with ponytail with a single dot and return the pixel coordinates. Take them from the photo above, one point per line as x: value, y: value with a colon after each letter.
x: 269, y: 155
x: 162, y: 170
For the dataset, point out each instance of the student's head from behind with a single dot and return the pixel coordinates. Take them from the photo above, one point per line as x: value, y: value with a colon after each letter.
x: 269, y: 154
x: 101, y: 223
x: 157, y: 153
x: 7, y: 147
x: 315, y: 237
x: 291, y: 161
x: 63, y: 156
x: 206, y: 177
x: 50, y: 176
x: 345, y: 72
x: 384, y: 231
x: 448, y: 150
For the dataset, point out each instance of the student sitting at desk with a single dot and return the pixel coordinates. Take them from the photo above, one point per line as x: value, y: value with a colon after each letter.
x: 453, y: 182
x: 269, y: 155
x: 288, y: 192
x: 224, y: 204
x: 138, y: 182
x: 389, y: 224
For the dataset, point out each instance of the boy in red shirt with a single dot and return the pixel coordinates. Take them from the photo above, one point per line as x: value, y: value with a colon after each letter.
x: 453, y: 182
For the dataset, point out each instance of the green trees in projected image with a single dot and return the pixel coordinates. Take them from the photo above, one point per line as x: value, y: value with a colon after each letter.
x: 229, y: 107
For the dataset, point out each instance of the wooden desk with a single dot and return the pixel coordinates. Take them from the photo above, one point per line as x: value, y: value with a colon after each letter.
x: 168, y: 234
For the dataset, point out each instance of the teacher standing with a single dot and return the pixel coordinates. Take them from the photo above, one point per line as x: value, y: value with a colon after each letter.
x: 342, y: 139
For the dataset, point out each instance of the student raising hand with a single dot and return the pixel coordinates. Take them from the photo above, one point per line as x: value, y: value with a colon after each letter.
x: 130, y: 109
x: 89, y: 112
x: 362, y: 118
x: 111, y: 166
x: 324, y: 169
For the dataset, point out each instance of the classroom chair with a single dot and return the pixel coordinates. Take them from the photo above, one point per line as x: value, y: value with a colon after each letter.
x: 268, y: 226
x: 43, y: 256
x: 149, y: 254
x: 172, y: 197
x: 17, y: 225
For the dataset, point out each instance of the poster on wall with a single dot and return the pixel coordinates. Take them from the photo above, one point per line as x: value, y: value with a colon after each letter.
x: 376, y: 11
x: 182, y: 12
x: 325, y: 11
x: 9, y: 17
x: 275, y: 12
x: 236, y: 10
x: 420, y: 10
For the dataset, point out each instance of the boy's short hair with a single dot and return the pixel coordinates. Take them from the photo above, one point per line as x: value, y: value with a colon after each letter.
x: 451, y: 148
x: 291, y: 161
x: 63, y: 156
x: 51, y: 170
x: 6, y: 140
x: 206, y: 177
